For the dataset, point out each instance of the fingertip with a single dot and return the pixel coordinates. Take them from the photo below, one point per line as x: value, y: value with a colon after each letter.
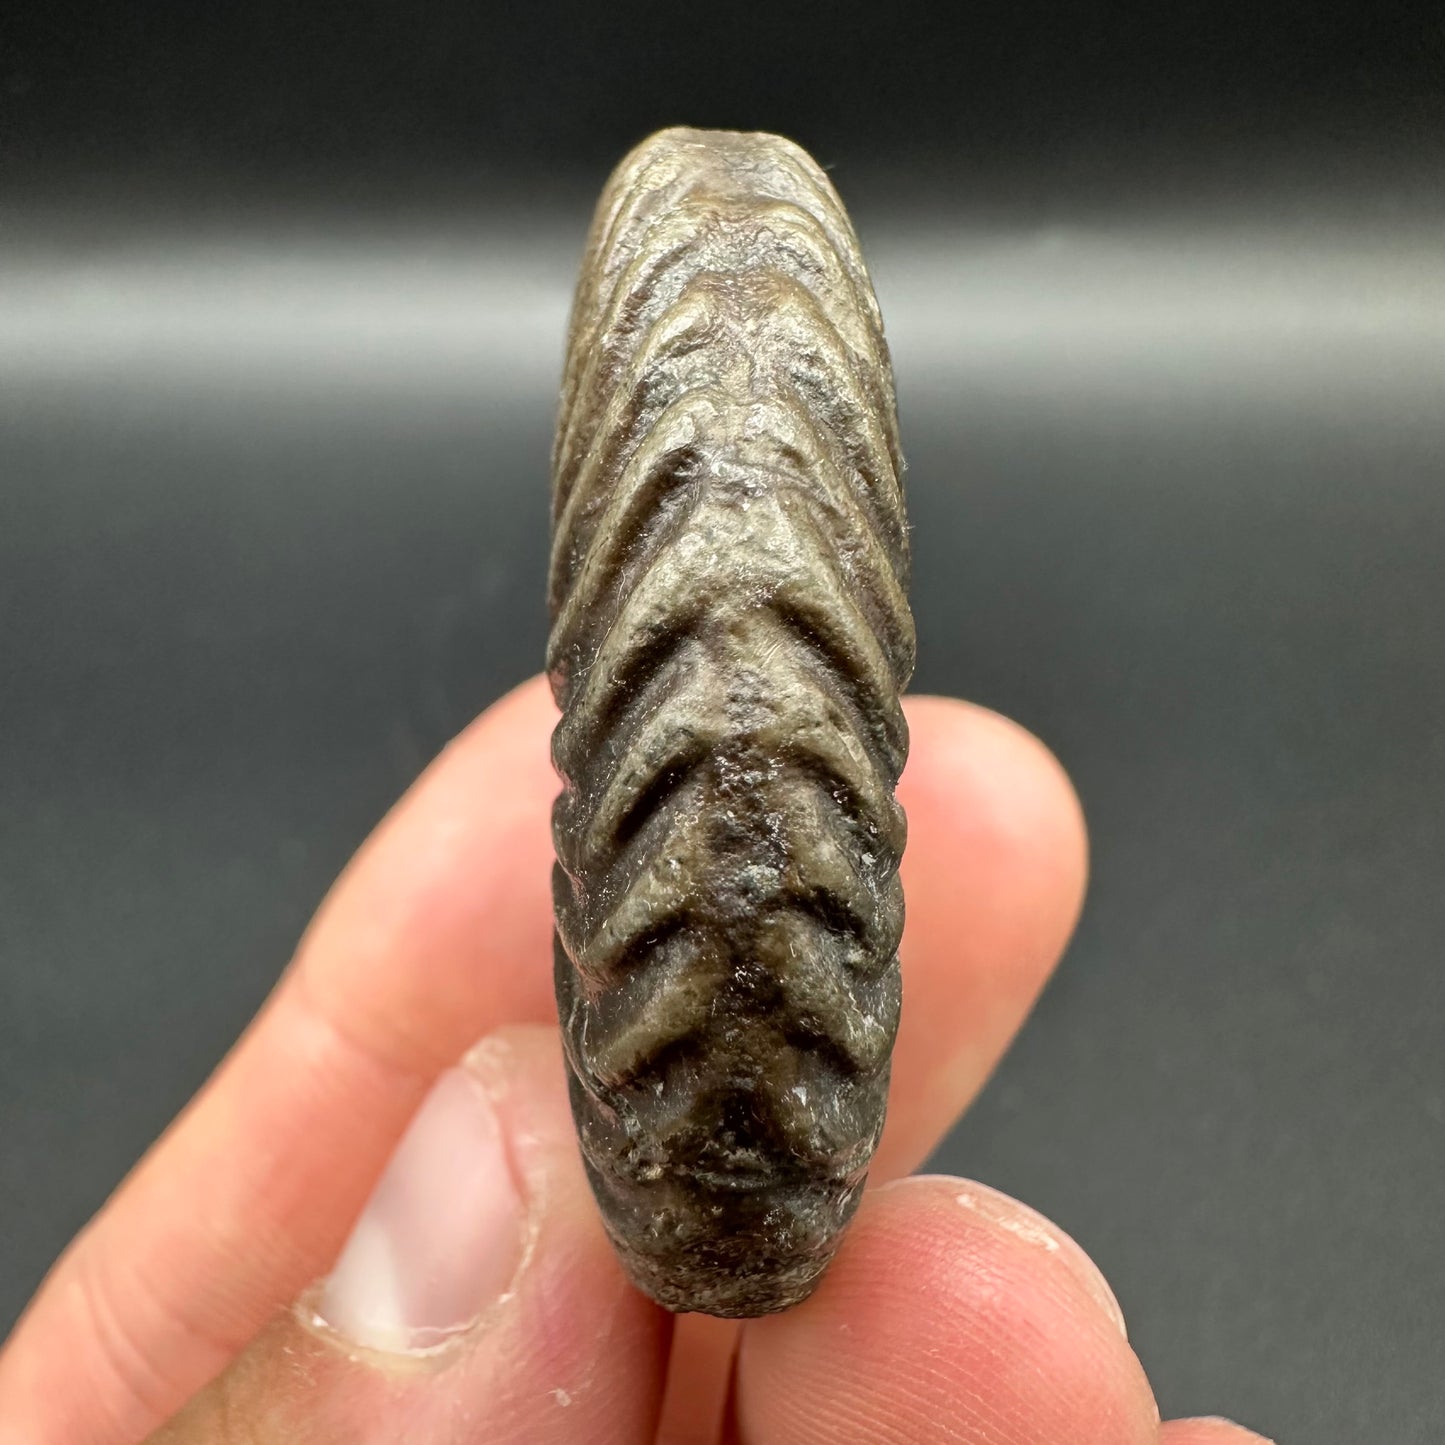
x: 439, y: 930
x: 940, y: 1320
x: 1029, y: 1225
x: 526, y: 714
x: 994, y: 877
x: 973, y: 769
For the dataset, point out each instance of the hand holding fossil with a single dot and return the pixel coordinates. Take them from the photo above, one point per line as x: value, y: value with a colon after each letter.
x: 730, y: 639
x: 477, y: 1297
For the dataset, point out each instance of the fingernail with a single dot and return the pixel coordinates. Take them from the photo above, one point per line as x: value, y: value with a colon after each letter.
x: 1237, y: 1432
x: 1026, y: 1223
x: 440, y: 1238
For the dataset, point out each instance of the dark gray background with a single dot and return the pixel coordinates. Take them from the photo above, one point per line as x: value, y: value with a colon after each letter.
x: 281, y: 303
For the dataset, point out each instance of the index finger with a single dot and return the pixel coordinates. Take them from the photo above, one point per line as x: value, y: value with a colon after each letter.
x: 436, y: 934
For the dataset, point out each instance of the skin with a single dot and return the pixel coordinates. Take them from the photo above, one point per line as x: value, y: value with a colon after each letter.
x: 952, y: 1313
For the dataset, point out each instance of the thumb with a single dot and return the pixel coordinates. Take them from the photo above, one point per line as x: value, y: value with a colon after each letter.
x: 477, y: 1297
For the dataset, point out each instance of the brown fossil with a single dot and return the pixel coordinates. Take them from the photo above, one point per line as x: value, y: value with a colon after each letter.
x: 730, y: 634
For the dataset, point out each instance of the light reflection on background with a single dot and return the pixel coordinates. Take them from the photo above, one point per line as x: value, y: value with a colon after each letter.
x: 1090, y: 307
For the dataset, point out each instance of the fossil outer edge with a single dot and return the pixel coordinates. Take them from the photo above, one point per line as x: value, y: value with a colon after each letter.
x: 730, y: 635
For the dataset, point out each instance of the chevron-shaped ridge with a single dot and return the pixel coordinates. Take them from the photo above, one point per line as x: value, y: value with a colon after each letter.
x: 730, y: 637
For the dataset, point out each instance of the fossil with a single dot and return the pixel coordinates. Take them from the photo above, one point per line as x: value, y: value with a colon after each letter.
x: 730, y: 634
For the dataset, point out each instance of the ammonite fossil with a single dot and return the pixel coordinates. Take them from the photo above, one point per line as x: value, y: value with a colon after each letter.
x: 730, y: 634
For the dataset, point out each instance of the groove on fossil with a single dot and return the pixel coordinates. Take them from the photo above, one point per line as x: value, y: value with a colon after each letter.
x: 730, y: 637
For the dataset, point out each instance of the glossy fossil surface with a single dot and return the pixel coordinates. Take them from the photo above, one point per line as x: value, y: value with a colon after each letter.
x: 730, y: 636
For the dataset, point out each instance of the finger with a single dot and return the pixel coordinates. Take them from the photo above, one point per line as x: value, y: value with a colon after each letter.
x: 436, y: 934
x: 699, y: 1380
x: 477, y: 1298
x: 1212, y: 1431
x: 952, y: 1313
x: 994, y: 878
x: 440, y: 929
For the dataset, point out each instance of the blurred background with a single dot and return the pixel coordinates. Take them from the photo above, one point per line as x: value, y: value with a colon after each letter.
x: 282, y: 294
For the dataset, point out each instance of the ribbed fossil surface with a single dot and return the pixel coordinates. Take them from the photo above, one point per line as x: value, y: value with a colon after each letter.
x: 730, y: 635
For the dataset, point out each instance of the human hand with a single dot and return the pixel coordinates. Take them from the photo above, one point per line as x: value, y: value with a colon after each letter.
x: 477, y: 1300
